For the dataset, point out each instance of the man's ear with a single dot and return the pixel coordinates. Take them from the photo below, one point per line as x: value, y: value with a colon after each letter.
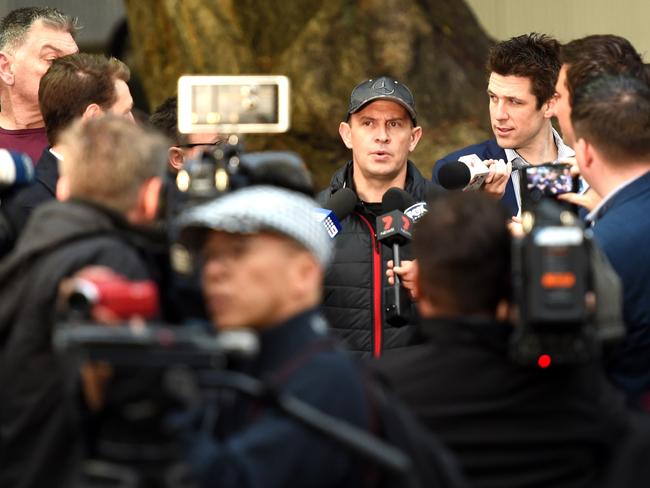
x: 416, y: 135
x: 548, y: 108
x: 92, y: 111
x: 149, y: 198
x: 176, y: 158
x: 6, y: 68
x: 584, y: 153
x: 62, y: 188
x: 346, y: 134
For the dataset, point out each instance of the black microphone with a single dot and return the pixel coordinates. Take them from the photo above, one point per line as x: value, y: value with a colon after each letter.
x: 457, y: 175
x: 337, y: 208
x: 394, y: 229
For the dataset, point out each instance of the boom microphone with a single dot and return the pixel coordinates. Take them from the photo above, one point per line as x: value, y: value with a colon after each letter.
x: 337, y: 208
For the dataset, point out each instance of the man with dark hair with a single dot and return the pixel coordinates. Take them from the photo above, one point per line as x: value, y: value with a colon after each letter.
x: 110, y: 178
x: 184, y: 146
x: 582, y: 60
x: 508, y: 424
x: 521, y: 89
x: 78, y: 85
x: 30, y: 39
x: 381, y: 130
x: 611, y: 123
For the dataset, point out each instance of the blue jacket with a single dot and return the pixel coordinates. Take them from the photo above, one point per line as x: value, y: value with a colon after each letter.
x: 485, y: 150
x: 622, y: 229
x: 272, y: 450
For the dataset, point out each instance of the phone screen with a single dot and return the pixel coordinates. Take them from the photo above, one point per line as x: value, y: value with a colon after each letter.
x: 549, y: 180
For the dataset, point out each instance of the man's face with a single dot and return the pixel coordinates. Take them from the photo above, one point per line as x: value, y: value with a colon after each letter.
x: 31, y: 60
x: 562, y: 107
x: 245, y: 278
x: 381, y: 136
x: 123, y: 105
x: 197, y: 143
x: 516, y: 121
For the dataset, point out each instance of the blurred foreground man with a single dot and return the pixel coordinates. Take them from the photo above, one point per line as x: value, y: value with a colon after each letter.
x: 381, y: 130
x: 110, y: 176
x: 264, y: 258
x: 509, y: 425
x: 611, y: 122
x: 30, y: 39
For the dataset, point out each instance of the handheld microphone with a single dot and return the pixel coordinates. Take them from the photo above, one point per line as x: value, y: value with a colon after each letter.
x: 16, y: 168
x: 394, y: 229
x: 468, y: 173
x: 338, y: 207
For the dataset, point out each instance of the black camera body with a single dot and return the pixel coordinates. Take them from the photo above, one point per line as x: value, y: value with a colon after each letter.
x: 568, y: 297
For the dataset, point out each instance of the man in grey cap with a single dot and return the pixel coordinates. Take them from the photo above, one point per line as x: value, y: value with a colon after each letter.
x: 264, y: 256
x: 381, y: 130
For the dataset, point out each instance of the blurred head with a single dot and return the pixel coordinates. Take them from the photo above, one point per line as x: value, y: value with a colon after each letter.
x: 30, y: 39
x: 521, y: 87
x: 263, y: 255
x: 584, y: 59
x: 611, y: 121
x: 83, y: 85
x: 185, y: 146
x: 380, y: 128
x: 112, y: 162
x: 462, y: 246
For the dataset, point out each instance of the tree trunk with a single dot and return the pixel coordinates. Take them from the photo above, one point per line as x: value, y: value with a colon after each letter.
x: 436, y: 47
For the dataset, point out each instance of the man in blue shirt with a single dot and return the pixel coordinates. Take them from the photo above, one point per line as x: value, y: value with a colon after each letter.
x: 610, y: 118
x: 521, y: 89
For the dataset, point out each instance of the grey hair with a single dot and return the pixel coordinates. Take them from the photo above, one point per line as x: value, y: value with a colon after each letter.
x: 14, y: 26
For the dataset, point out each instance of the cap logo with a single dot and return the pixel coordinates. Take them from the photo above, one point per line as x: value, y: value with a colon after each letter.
x: 380, y: 87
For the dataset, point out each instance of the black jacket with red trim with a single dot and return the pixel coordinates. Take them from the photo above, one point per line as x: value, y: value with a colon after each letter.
x: 356, y: 279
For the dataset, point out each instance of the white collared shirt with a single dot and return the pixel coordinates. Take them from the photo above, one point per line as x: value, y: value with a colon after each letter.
x: 563, y: 152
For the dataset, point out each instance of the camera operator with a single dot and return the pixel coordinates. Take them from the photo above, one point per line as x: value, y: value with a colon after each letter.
x: 264, y: 257
x: 610, y: 121
x: 509, y: 424
x: 110, y: 178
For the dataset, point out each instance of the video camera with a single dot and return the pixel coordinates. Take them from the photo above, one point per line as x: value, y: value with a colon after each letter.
x: 232, y: 106
x: 569, y: 298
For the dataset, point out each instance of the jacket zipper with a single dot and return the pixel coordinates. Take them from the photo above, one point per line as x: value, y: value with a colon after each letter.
x: 376, y: 286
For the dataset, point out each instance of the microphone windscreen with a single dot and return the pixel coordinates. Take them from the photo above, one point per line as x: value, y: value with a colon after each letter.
x: 454, y: 175
x: 16, y: 168
x: 342, y: 203
x: 396, y: 199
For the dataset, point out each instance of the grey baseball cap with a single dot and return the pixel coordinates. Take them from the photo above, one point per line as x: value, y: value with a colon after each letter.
x: 382, y: 88
x: 255, y: 209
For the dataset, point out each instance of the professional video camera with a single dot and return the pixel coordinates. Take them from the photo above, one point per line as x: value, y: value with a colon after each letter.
x: 230, y: 106
x: 569, y: 298
x: 233, y: 106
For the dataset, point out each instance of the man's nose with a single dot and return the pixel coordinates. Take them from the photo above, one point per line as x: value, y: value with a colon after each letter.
x: 382, y: 134
x: 500, y: 112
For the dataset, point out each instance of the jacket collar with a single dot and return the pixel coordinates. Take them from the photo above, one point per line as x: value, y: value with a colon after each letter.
x: 416, y: 184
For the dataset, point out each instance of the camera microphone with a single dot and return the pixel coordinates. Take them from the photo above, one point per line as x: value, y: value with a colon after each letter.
x: 16, y: 168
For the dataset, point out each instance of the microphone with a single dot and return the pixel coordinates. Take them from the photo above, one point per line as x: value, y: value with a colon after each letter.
x: 338, y: 207
x: 394, y: 229
x: 16, y: 168
x: 468, y: 173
